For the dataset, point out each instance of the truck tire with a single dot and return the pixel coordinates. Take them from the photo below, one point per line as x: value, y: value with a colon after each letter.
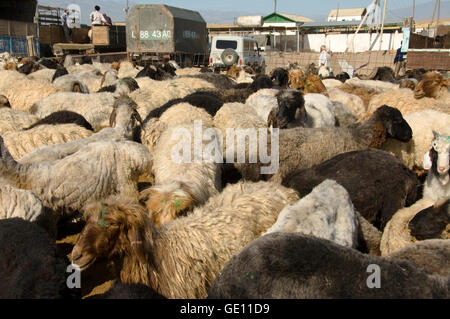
x: 229, y: 57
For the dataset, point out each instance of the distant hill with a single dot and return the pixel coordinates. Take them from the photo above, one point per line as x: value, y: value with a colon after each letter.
x: 423, y: 11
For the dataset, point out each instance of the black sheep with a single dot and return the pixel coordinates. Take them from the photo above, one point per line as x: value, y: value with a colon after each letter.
x: 342, y: 77
x: 63, y: 117
x: 384, y: 73
x: 290, y: 101
x: 292, y: 265
x: 29, y: 67
x: 30, y: 267
x: 49, y: 63
x: 280, y: 77
x: 59, y: 72
x: 208, y: 101
x: 377, y: 182
x: 431, y: 222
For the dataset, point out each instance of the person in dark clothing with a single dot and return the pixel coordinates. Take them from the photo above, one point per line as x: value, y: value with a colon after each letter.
x: 108, y: 19
x: 399, y: 61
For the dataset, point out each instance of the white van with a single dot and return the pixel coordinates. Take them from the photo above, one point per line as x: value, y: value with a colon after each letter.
x: 227, y: 50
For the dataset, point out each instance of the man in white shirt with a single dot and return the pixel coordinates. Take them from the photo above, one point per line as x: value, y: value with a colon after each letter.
x: 324, y: 58
x: 97, y: 18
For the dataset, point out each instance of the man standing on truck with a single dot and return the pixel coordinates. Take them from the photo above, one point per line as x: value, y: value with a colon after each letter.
x: 66, y: 28
x: 96, y: 17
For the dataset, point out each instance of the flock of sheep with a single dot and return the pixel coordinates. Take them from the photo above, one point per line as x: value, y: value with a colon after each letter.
x: 362, y: 179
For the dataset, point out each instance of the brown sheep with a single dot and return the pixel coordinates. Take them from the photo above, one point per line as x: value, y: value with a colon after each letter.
x: 10, y: 66
x: 364, y: 93
x: 181, y: 258
x: 431, y: 85
x: 296, y: 79
x: 234, y: 71
x: 308, y: 84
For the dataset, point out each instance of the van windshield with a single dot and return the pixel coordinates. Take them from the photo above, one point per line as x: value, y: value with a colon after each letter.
x: 226, y: 44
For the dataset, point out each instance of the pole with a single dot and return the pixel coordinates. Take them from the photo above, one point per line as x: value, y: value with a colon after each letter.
x: 337, y: 12
x: 432, y: 18
x: 360, y: 25
x: 382, y: 23
x: 274, y: 5
x: 414, y: 9
x: 438, y: 16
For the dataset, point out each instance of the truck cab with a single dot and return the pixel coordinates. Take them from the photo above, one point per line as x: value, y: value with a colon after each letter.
x: 228, y: 50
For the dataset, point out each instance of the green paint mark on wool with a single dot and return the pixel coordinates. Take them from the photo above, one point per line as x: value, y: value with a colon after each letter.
x: 101, y: 220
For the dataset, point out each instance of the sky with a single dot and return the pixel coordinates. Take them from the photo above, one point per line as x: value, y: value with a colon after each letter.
x: 226, y: 11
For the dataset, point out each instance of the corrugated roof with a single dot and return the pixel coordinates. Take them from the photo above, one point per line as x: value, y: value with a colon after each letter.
x: 297, y: 18
x: 347, y: 12
x: 286, y: 17
x: 345, y: 23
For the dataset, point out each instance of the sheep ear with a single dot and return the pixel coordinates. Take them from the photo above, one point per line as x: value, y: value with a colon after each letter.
x: 137, y: 243
x: 427, y: 162
x: 272, y: 119
x: 435, y: 135
x: 137, y: 116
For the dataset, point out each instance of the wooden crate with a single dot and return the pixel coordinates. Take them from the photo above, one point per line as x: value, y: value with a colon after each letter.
x: 50, y: 34
x: 113, y: 37
x: 80, y: 35
x: 100, y: 35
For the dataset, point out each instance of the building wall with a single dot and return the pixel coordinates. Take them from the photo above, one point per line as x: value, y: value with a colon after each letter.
x: 337, y: 42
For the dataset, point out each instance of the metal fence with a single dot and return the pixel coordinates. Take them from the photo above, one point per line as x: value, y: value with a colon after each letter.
x: 363, y: 62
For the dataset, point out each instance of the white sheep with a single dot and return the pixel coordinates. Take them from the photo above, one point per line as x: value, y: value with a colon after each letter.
x: 319, y: 110
x: 71, y: 83
x: 422, y: 124
x: 186, y: 173
x: 396, y: 234
x: 327, y: 212
x: 352, y: 101
x: 123, y: 120
x: 24, y: 204
x: 95, y: 107
x: 437, y: 161
x: 20, y: 143
x: 96, y: 171
x: 403, y: 99
x: 14, y: 120
x: 152, y: 94
x: 180, y: 113
x: 331, y: 83
x: 45, y: 75
x: 22, y: 92
x: 373, y: 84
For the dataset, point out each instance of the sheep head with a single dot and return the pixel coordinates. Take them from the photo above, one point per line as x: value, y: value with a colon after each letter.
x: 390, y: 123
x: 280, y: 77
x: 4, y: 102
x: 116, y: 229
x: 438, y: 158
x: 289, y: 101
x: 124, y: 114
x: 296, y: 79
x: 167, y: 202
x: 430, y: 86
